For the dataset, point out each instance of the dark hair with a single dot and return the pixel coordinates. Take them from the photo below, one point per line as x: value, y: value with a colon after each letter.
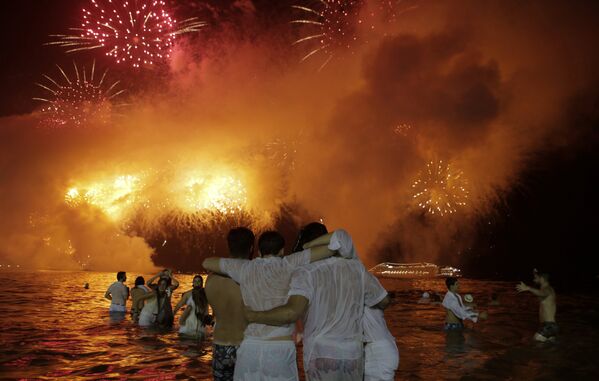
x: 121, y: 275
x: 309, y: 233
x: 541, y: 273
x: 139, y: 281
x: 450, y: 281
x: 198, y: 294
x: 270, y: 243
x: 166, y: 279
x: 241, y: 242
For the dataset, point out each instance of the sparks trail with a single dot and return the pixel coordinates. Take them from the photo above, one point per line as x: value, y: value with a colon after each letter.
x: 330, y: 25
x: 440, y: 189
x: 78, y: 100
x: 139, y: 32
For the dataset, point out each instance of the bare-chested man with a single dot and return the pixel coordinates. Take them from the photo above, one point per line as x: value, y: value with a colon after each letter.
x: 225, y: 299
x: 456, y: 309
x: 547, y: 308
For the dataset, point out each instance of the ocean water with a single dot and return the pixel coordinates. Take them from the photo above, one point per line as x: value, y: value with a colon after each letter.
x: 53, y: 328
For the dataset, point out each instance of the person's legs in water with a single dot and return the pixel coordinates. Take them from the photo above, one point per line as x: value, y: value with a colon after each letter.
x: 547, y: 332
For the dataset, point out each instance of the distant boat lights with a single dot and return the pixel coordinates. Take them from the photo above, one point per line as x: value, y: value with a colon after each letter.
x: 414, y: 270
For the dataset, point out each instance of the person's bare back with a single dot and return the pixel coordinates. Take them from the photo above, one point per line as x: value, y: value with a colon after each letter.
x: 225, y: 299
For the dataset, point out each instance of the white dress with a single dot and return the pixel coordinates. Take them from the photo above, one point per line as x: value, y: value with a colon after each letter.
x: 147, y: 316
x: 192, y: 327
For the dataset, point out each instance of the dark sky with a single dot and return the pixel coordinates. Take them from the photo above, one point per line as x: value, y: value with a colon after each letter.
x: 547, y: 220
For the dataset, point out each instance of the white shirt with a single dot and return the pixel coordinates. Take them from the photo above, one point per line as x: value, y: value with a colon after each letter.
x: 337, y: 290
x: 453, y: 302
x: 375, y: 327
x: 264, y: 285
x: 119, y: 293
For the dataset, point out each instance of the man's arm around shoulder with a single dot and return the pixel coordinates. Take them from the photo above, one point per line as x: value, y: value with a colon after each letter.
x: 285, y: 314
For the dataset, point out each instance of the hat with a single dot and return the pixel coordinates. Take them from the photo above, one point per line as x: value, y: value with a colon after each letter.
x: 468, y: 298
x: 425, y: 295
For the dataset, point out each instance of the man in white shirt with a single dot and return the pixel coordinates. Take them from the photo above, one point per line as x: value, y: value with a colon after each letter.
x: 118, y: 293
x: 266, y: 352
x: 457, y: 312
x: 330, y: 295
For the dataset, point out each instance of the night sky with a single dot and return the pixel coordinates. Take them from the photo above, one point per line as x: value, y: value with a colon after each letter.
x: 543, y: 216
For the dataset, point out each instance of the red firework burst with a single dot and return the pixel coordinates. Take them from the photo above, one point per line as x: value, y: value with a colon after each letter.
x: 139, y: 32
x: 78, y: 101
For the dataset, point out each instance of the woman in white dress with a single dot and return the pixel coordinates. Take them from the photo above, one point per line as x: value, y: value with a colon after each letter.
x: 158, y: 309
x: 192, y: 320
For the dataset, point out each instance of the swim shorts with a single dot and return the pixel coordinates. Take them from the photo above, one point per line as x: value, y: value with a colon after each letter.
x: 223, y: 361
x: 548, y: 329
x: 453, y: 326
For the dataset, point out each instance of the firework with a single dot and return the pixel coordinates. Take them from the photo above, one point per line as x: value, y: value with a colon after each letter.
x: 402, y: 129
x: 112, y: 196
x: 79, y: 100
x: 138, y: 32
x: 282, y: 152
x: 440, y: 189
x: 225, y: 194
x: 331, y: 24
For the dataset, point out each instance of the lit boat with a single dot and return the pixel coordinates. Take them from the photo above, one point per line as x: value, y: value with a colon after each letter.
x: 413, y: 270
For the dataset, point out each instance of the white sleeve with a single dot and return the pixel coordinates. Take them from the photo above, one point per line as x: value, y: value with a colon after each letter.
x: 373, y: 291
x: 233, y: 267
x: 301, y: 284
x: 299, y: 258
x: 451, y: 303
x: 342, y: 242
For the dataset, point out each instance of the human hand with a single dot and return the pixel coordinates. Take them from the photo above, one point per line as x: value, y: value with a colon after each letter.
x: 522, y: 287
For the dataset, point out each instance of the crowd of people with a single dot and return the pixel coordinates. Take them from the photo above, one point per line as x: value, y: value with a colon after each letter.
x: 320, y: 294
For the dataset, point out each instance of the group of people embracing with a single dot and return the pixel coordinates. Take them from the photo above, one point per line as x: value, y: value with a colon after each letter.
x: 261, y: 304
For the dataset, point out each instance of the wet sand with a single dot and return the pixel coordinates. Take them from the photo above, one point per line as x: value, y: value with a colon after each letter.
x: 53, y: 328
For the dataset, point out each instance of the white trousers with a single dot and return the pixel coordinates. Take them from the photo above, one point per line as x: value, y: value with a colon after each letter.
x: 264, y: 360
x: 381, y: 359
x: 117, y: 308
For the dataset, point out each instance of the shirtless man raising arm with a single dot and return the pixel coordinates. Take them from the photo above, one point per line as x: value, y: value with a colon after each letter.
x: 547, y: 308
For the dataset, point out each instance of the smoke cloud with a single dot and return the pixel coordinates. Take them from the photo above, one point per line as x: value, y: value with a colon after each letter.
x: 481, y: 87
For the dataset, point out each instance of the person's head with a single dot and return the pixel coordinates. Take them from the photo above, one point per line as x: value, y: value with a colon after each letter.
x: 198, y: 281
x: 309, y: 233
x: 140, y: 281
x: 271, y: 243
x: 540, y: 277
x: 452, y: 284
x: 241, y: 242
x: 121, y: 276
x: 163, y: 284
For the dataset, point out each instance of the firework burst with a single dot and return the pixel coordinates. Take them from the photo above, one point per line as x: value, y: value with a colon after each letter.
x: 440, y: 189
x: 79, y: 100
x: 138, y: 32
x: 331, y: 25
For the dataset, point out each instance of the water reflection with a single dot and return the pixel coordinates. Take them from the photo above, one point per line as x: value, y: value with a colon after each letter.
x: 52, y: 327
